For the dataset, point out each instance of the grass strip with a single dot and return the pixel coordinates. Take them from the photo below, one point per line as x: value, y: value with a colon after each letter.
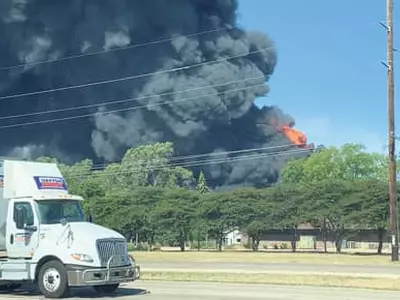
x: 281, y: 279
x: 262, y: 257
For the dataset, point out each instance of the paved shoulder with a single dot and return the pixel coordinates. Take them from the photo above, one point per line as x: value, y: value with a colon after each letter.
x: 215, y: 291
x: 197, y: 290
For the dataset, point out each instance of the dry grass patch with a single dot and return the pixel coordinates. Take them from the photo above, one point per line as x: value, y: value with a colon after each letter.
x: 311, y: 280
x: 241, y: 256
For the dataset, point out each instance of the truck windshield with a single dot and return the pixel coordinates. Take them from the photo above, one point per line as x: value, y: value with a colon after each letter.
x: 54, y: 211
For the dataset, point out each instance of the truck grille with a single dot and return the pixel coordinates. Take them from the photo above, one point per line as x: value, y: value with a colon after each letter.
x: 116, y: 248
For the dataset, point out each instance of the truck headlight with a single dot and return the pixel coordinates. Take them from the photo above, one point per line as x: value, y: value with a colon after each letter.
x: 82, y: 257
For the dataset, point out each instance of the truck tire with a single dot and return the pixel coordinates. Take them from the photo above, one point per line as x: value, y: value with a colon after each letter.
x: 106, y: 289
x: 53, y: 280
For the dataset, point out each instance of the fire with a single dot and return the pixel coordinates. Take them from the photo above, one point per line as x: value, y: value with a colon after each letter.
x: 295, y: 136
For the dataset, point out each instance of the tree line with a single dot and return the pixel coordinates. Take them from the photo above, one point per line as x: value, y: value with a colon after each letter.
x: 150, y: 199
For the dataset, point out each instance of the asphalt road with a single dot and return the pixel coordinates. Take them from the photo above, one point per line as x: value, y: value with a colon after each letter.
x: 218, y: 291
x: 286, y: 268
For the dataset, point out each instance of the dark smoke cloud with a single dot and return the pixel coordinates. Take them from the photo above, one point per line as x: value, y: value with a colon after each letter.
x: 36, y: 30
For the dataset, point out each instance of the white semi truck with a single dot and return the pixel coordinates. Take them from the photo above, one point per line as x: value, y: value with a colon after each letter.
x: 45, y: 240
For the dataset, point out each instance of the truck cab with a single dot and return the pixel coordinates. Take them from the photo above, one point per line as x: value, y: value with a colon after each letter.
x: 45, y: 239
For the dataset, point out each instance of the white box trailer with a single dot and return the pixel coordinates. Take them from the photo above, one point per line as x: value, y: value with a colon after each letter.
x: 44, y: 238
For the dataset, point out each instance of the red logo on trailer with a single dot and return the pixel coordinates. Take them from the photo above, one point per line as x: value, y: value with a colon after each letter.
x: 50, y: 183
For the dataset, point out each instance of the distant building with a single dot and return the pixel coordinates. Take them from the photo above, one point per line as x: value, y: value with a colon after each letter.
x: 233, y: 237
x: 308, y: 237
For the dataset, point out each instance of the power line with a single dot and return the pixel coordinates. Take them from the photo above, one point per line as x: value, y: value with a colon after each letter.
x: 124, y: 109
x: 112, y: 102
x: 126, y: 78
x: 133, y: 46
x: 190, y: 164
x: 101, y: 167
x: 175, y: 158
x: 100, y: 173
x: 232, y: 159
x: 138, y: 45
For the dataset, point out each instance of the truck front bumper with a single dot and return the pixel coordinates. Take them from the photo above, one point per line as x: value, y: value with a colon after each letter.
x: 81, y: 276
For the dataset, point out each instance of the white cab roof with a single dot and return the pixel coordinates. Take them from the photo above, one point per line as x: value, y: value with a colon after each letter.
x: 41, y: 181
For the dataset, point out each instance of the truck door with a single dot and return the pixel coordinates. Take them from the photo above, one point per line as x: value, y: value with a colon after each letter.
x: 22, y: 231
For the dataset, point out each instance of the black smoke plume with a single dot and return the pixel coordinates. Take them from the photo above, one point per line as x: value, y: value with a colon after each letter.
x: 233, y: 66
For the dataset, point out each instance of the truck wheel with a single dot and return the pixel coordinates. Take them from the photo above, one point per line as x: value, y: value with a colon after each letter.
x: 106, y: 289
x: 53, y: 280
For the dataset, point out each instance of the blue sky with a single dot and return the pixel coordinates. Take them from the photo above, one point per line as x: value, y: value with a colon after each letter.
x: 329, y: 76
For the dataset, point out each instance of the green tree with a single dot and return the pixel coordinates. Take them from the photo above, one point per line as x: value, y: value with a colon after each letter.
x: 288, y: 209
x: 200, y: 228
x: 77, y: 176
x: 369, y: 207
x: 202, y: 187
x: 256, y: 213
x: 142, y: 207
x: 148, y: 165
x: 294, y: 171
x: 324, y: 206
x: 131, y: 212
x: 221, y: 212
x: 175, y: 214
x: 350, y: 162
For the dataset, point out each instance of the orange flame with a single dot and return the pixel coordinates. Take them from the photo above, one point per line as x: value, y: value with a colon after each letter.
x: 295, y: 136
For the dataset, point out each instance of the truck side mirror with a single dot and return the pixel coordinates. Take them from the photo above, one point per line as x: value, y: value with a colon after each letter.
x: 89, y: 218
x: 20, y: 217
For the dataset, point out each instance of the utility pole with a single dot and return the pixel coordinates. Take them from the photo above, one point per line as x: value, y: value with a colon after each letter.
x: 394, y: 229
